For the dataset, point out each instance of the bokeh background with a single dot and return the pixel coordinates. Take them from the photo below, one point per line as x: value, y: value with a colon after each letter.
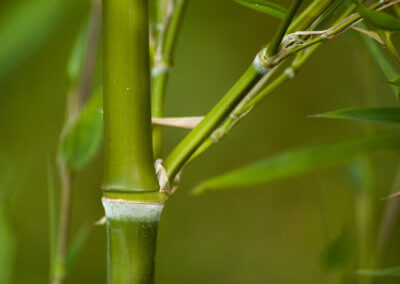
x: 268, y: 234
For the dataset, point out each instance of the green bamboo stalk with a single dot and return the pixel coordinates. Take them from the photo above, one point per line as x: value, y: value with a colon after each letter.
x: 181, y: 153
x: 132, y: 235
x: 163, y: 61
x: 275, y: 43
x: 260, y: 92
x: 127, y: 123
x: 309, y: 15
x: 252, y: 99
x: 190, y: 144
x: 132, y: 199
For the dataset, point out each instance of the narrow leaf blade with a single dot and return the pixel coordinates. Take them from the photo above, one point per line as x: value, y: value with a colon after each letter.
x: 83, y: 138
x: 265, y: 7
x: 74, y: 66
x: 395, y: 271
x: 383, y: 114
x: 24, y: 29
x: 300, y: 161
x: 383, y: 62
x: 380, y: 20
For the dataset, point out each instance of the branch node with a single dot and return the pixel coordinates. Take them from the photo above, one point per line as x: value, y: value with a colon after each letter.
x: 162, y: 176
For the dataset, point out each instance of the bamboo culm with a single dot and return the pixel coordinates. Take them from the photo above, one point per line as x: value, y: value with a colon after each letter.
x: 132, y: 199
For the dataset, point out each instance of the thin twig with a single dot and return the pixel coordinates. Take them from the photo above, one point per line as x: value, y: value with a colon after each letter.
x: 75, y: 100
x: 390, y: 215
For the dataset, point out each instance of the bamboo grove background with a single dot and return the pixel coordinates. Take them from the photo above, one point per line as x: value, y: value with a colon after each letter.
x: 277, y: 233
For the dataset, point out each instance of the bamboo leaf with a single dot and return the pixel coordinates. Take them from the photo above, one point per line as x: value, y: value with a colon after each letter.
x: 82, y: 139
x: 395, y: 271
x: 25, y: 28
x: 395, y: 81
x: 380, y: 19
x: 383, y: 114
x: 265, y: 7
x: 77, y: 246
x: 384, y: 64
x: 74, y: 66
x: 302, y: 160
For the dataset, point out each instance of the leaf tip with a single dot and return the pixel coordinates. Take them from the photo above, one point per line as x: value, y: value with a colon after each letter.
x: 317, y: 115
x: 197, y: 190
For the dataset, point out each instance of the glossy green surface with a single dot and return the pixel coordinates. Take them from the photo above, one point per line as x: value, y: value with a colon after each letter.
x: 131, y: 251
x: 127, y: 126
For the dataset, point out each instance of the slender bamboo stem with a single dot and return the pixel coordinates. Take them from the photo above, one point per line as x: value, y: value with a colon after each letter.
x: 64, y: 224
x: 309, y: 15
x: 197, y: 136
x: 260, y: 92
x: 253, y: 99
x: 390, y: 216
x: 275, y: 43
x: 132, y: 199
x: 163, y: 61
x: 75, y: 100
x: 191, y: 143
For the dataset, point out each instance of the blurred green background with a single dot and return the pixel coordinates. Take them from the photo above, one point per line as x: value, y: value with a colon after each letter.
x: 270, y: 234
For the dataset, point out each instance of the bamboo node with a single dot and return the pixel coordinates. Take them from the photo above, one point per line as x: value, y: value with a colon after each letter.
x: 261, y: 64
x: 160, y: 66
x: 290, y: 72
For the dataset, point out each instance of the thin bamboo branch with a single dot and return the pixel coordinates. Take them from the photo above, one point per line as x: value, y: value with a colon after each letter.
x: 256, y: 95
x: 75, y: 100
x: 162, y: 64
x: 91, y: 50
x: 64, y: 223
x: 275, y: 43
x: 390, y: 215
x: 189, y: 145
x: 197, y: 136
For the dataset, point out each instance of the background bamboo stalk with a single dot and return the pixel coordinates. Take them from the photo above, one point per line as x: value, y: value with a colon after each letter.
x: 169, y: 22
x: 76, y: 98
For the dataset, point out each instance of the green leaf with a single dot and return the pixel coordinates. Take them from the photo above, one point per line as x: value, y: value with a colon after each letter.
x: 303, y: 160
x: 380, y: 19
x: 53, y: 216
x: 265, y: 7
x: 75, y: 63
x: 25, y: 28
x: 395, y: 271
x: 76, y: 246
x: 395, y: 81
x: 383, y: 62
x: 339, y: 252
x: 82, y: 138
x: 383, y: 114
